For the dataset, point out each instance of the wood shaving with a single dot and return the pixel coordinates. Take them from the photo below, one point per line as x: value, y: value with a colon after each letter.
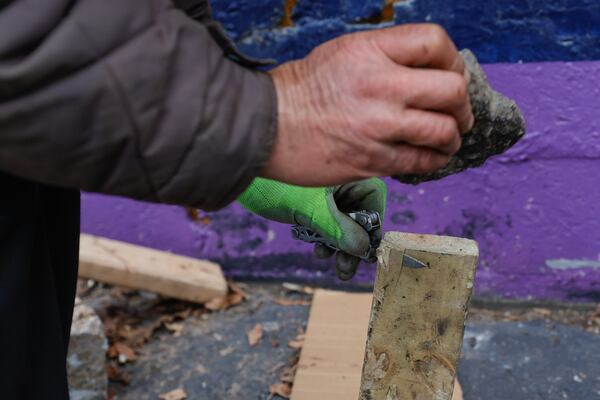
x: 177, y: 394
x: 292, y: 302
x: 175, y: 327
x: 280, y: 389
x: 297, y: 343
x: 255, y: 335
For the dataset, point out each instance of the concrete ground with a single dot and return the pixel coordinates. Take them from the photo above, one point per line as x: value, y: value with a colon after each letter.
x: 511, y: 353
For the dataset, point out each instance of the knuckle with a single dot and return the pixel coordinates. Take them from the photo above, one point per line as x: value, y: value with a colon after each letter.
x: 364, y: 126
x: 446, y: 131
x: 408, y: 162
x: 429, y: 161
x: 418, y: 161
x: 391, y: 160
x: 436, y: 36
x: 423, y: 162
x: 350, y: 43
x: 458, y: 85
x: 365, y: 160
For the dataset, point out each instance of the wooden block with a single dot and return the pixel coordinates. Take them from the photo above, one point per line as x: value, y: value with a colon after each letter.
x: 417, y: 317
x: 334, y: 346
x: 137, y: 267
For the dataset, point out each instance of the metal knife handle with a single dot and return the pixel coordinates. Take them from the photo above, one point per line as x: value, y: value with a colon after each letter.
x: 369, y: 220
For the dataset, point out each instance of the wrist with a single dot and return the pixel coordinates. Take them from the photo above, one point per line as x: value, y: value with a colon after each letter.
x: 284, y: 79
x: 296, y: 124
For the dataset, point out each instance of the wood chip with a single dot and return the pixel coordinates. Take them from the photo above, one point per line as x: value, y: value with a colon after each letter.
x: 292, y: 302
x: 125, y: 351
x: 289, y: 374
x: 175, y: 327
x: 297, y: 343
x: 255, y: 334
x: 294, y: 287
x: 235, y: 296
x: 226, y: 351
x: 177, y: 394
x: 280, y: 389
x: 216, y: 304
x: 237, y: 289
x: 201, y: 369
x: 116, y: 375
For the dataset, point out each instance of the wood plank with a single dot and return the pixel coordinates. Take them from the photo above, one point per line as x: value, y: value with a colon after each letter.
x: 334, y: 347
x: 417, y: 317
x: 138, y: 267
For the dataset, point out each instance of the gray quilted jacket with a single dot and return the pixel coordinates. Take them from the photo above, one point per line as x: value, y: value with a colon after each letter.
x: 138, y: 98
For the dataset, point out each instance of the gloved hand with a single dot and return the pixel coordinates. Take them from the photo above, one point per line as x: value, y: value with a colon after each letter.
x: 322, y: 210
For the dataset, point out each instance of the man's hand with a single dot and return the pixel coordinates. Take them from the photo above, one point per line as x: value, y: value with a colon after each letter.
x: 384, y: 102
x: 322, y: 210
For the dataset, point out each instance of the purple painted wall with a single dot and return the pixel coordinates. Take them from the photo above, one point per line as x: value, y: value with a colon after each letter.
x: 534, y: 211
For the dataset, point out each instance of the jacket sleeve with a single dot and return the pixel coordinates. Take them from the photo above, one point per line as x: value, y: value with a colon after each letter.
x: 130, y: 98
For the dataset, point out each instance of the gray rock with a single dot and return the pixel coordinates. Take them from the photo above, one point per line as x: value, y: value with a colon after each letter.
x: 498, y: 125
x: 86, y: 361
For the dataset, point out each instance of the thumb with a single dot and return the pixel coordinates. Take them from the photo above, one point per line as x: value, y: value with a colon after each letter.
x: 336, y: 227
x: 354, y: 239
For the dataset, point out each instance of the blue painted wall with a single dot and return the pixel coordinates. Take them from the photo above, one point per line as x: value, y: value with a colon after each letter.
x: 497, y: 30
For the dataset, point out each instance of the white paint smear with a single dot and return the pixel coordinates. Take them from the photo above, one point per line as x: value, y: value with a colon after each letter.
x: 565, y: 263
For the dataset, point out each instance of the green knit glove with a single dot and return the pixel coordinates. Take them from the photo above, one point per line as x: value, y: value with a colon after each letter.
x: 323, y: 211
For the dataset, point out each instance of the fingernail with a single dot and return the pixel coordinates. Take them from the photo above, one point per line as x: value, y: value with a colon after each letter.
x: 467, y: 75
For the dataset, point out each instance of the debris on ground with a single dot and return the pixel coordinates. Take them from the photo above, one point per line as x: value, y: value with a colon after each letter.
x: 234, y: 297
x: 177, y: 394
x: 255, y: 334
x: 175, y: 327
x: 294, y: 287
x: 130, y: 319
x: 133, y: 319
x: 280, y: 389
x: 292, y: 302
x: 86, y: 363
x: 298, y: 342
x: 283, y: 388
x: 585, y: 317
x: 122, y: 352
x: 157, y: 339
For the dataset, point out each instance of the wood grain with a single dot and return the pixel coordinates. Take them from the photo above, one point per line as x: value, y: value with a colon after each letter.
x: 334, y: 346
x: 417, y: 317
x: 138, y: 267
